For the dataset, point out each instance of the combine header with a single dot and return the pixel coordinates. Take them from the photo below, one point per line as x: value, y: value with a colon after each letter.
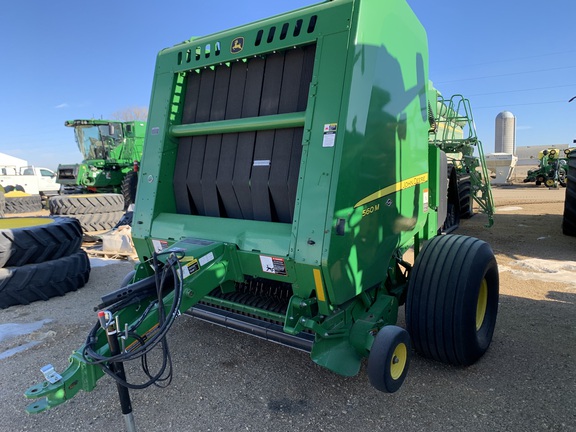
x: 287, y: 169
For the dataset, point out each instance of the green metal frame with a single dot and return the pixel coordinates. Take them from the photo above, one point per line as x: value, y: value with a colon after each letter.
x: 362, y: 199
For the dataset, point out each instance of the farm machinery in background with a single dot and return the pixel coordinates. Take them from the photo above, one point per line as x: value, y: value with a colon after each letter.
x: 111, y: 152
x: 454, y: 132
x: 289, y: 164
x: 552, y: 168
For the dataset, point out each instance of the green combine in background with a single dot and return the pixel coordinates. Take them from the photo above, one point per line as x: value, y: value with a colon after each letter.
x: 111, y: 152
x: 290, y: 166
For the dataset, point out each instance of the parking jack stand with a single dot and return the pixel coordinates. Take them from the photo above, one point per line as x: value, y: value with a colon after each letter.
x: 118, y: 369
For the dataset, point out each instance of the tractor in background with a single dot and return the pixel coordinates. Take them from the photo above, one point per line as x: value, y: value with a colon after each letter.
x: 552, y: 168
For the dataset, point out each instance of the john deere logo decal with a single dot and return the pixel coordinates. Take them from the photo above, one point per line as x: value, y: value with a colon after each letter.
x: 237, y: 45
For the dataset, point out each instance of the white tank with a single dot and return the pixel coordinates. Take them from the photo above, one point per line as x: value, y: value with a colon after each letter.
x: 505, y: 139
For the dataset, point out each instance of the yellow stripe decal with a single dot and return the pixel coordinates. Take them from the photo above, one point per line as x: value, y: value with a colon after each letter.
x: 319, y: 287
x: 404, y: 184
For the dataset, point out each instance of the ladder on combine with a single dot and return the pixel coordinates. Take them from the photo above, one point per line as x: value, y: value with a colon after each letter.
x: 455, y: 134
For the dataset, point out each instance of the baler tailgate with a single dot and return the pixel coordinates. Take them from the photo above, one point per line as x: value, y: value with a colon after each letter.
x: 251, y: 174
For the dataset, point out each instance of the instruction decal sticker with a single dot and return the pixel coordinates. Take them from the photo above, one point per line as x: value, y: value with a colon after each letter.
x: 159, y: 245
x: 189, y: 267
x: 273, y: 265
x: 329, y: 134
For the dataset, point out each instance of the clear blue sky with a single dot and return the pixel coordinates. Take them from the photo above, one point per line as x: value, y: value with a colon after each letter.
x: 69, y: 59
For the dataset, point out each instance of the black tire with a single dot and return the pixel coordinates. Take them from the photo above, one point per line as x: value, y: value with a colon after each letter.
x: 452, y: 300
x: 389, y: 359
x: 82, y: 204
x: 35, y: 240
x: 17, y: 188
x: 98, y: 221
x: 33, y: 282
x: 569, y: 216
x: 465, y: 196
x: 452, y: 220
x: 23, y: 204
x: 2, y: 202
x: 129, y: 187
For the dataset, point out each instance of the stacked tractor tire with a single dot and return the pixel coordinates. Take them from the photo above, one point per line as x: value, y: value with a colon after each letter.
x: 16, y: 201
x: 40, y: 258
x: 95, y: 212
x: 2, y: 202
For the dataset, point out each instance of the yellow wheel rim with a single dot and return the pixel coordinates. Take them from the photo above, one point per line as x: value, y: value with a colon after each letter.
x: 482, y: 304
x: 23, y: 222
x: 16, y: 194
x: 398, y: 361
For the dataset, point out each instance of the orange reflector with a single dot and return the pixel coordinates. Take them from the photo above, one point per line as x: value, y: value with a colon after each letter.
x: 319, y: 287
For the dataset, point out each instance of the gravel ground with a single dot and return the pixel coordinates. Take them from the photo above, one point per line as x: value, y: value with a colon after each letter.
x: 226, y: 381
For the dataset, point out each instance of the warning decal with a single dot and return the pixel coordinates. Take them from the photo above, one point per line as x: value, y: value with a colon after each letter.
x: 190, y: 267
x: 329, y: 134
x: 159, y: 245
x: 273, y: 265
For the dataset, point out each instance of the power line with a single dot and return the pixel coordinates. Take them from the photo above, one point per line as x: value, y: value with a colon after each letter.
x: 522, y: 90
x: 507, y: 74
x: 522, y: 104
x: 519, y: 58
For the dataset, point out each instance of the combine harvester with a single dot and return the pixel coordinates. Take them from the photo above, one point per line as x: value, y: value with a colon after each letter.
x: 289, y: 164
x: 112, y: 151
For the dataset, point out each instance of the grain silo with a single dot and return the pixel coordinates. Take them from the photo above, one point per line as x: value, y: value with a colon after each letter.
x: 505, y: 140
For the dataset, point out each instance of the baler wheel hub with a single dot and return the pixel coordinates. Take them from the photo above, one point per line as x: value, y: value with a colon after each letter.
x: 482, y: 304
x: 398, y: 363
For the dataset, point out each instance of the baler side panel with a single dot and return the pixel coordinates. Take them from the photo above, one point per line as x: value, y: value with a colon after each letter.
x: 385, y: 151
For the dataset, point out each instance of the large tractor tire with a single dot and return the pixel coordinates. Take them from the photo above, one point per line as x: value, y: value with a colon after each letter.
x: 98, y: 221
x: 465, y: 196
x: 33, y: 282
x: 83, y: 204
x: 569, y: 217
x: 32, y: 240
x: 452, y: 220
x: 452, y: 299
x: 129, y: 186
x: 2, y: 202
x: 20, y: 202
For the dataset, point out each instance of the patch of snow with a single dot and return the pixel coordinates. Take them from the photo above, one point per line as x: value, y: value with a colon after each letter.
x: 544, y: 270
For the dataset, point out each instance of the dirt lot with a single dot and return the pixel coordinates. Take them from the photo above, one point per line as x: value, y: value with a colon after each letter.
x: 225, y: 381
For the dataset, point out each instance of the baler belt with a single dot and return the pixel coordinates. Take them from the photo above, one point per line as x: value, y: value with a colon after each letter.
x: 248, y: 175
